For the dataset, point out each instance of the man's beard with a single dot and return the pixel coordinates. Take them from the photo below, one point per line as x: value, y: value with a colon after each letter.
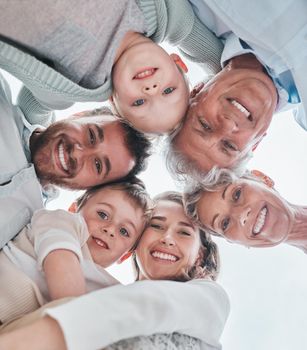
x: 43, y: 142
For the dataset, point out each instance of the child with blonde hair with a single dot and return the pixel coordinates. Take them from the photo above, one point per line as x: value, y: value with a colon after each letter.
x: 61, y: 254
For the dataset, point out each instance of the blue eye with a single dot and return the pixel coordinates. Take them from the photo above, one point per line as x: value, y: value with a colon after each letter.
x: 236, y: 194
x: 139, y: 102
x: 205, y: 125
x: 168, y: 90
x: 225, y: 224
x: 124, y: 232
x: 230, y: 146
x: 103, y: 215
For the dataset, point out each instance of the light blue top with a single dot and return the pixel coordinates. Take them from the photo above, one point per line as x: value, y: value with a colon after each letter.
x: 20, y: 190
x: 275, y: 32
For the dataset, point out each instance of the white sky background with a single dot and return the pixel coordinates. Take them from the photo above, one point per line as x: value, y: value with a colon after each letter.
x: 267, y: 287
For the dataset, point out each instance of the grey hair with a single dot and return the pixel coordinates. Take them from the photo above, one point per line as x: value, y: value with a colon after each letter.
x: 194, y: 191
x: 184, y: 169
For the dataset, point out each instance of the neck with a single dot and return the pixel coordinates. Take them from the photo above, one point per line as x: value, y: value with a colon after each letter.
x: 130, y: 39
x: 298, y: 233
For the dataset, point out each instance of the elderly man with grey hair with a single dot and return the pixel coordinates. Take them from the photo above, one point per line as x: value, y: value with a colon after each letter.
x: 263, y: 62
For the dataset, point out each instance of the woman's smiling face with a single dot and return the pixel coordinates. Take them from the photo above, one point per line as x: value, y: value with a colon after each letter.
x: 246, y: 212
x: 170, y: 245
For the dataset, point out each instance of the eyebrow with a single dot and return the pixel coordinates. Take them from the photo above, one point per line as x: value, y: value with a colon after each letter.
x: 162, y: 218
x: 100, y: 132
x: 224, y: 192
x: 107, y: 164
x: 185, y: 224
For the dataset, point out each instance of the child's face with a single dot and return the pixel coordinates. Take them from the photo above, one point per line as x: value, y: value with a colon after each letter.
x: 114, y: 224
x: 149, y: 89
x: 170, y: 245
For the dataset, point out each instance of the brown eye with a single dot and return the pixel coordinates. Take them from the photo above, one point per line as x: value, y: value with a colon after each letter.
x: 98, y: 166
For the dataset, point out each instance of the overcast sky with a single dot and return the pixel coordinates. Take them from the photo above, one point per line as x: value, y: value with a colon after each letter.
x: 267, y: 287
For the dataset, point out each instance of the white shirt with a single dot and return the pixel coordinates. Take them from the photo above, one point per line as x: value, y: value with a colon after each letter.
x: 50, y: 230
x: 20, y: 190
x: 198, y: 308
x: 275, y: 32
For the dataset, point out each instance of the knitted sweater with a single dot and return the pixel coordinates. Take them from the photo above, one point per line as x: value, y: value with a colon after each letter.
x: 165, y: 20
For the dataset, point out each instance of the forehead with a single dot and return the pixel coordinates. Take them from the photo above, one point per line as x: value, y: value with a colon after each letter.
x: 172, y: 211
x: 85, y: 118
x: 110, y: 195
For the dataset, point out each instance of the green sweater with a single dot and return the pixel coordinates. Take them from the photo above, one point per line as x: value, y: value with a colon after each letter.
x: 172, y: 21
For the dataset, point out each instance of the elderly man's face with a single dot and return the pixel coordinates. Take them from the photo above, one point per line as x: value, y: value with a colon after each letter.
x: 81, y: 152
x: 227, y: 117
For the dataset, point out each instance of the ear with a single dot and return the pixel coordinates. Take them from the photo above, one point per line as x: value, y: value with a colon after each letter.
x: 73, y: 207
x: 256, y: 145
x: 179, y: 62
x: 264, y: 178
x: 124, y: 257
x: 197, y: 88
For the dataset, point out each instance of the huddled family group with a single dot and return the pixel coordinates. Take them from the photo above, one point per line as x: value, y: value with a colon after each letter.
x: 55, y: 290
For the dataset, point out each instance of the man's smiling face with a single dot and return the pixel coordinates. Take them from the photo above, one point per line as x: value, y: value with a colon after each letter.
x: 227, y: 116
x: 81, y: 152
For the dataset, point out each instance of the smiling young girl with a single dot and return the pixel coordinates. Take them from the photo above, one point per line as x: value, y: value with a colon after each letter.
x: 172, y: 247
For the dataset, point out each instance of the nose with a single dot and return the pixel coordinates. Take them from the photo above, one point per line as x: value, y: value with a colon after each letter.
x: 243, y: 216
x: 167, y: 239
x: 81, y: 153
x: 109, y: 230
x: 150, y: 88
x: 230, y: 125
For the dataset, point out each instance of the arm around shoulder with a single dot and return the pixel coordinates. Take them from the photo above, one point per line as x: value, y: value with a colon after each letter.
x: 198, y: 308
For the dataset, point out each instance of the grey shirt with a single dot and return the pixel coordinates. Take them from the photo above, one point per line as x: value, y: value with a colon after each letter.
x: 79, y: 39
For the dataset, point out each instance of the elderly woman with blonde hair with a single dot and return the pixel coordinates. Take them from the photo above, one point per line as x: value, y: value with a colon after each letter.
x: 248, y: 211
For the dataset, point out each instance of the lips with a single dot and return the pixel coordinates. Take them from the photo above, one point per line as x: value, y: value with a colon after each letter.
x: 260, y: 221
x: 100, y: 243
x: 148, y: 72
x: 164, y: 256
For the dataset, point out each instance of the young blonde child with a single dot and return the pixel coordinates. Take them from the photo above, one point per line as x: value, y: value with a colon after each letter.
x: 96, y: 49
x: 63, y: 254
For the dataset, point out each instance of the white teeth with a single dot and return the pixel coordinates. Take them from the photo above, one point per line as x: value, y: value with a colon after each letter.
x: 240, y: 108
x: 61, y: 157
x: 164, y: 256
x: 260, y: 221
x: 144, y: 74
x: 101, y: 243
